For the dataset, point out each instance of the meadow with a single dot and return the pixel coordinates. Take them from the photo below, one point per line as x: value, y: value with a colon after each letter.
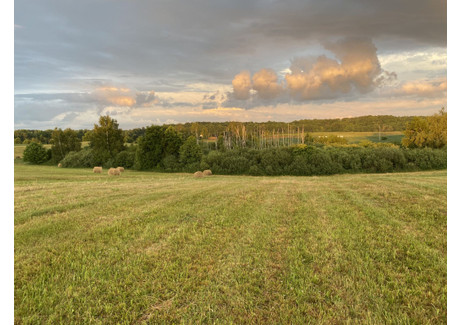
x: 169, y: 248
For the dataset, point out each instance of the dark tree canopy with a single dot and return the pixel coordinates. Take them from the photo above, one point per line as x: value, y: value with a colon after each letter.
x: 190, y: 151
x: 150, y: 148
x: 106, y: 139
x: 64, y: 142
x: 173, y: 142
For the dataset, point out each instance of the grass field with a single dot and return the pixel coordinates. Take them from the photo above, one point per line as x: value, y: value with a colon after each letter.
x: 169, y: 248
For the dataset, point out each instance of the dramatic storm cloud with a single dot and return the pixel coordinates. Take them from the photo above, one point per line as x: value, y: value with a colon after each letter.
x: 185, y: 61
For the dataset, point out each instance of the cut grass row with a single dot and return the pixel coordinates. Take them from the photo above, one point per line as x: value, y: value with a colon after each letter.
x: 169, y: 248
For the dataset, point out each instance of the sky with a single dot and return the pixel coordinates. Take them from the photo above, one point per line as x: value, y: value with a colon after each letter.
x: 149, y: 62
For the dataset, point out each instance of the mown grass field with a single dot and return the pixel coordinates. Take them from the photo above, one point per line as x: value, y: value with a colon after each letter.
x: 169, y: 248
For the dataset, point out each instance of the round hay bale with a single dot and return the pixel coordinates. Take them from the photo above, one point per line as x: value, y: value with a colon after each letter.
x: 198, y: 174
x: 97, y: 169
x: 59, y: 165
x: 121, y: 169
x: 113, y: 172
x: 207, y: 172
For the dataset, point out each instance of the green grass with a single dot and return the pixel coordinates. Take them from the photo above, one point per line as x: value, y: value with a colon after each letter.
x: 169, y: 248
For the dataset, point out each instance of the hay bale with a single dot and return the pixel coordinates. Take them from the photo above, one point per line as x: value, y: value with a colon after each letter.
x: 198, y: 174
x: 114, y: 172
x: 97, y: 170
x: 207, y: 172
x: 59, y: 165
x: 121, y: 169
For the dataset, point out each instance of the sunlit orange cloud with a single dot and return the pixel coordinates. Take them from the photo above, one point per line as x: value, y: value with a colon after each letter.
x: 265, y: 82
x: 242, y: 85
x: 122, y: 101
x: 115, y: 96
x: 356, y: 67
x: 424, y: 88
x: 126, y: 97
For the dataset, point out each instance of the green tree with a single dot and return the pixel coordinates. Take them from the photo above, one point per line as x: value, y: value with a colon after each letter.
x: 427, y: 132
x: 63, y: 142
x: 190, y: 151
x: 172, y: 142
x: 35, y: 153
x: 106, y: 139
x: 150, y: 148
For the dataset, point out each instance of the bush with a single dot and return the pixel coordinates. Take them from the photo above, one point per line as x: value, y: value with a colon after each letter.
x: 327, y: 160
x: 276, y: 161
x: 427, y: 158
x: 110, y: 163
x: 35, y: 154
x: 79, y: 159
x: 171, y: 163
x: 125, y: 158
x: 190, y: 152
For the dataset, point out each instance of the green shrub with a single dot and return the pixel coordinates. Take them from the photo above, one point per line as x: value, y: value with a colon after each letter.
x: 276, y: 161
x: 125, y: 158
x: 171, y: 164
x: 110, y: 163
x: 255, y: 171
x: 326, y: 160
x: 35, y: 153
x: 190, y: 152
x: 79, y: 159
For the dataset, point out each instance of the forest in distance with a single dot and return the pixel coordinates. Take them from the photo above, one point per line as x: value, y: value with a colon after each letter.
x: 246, y: 151
x: 384, y: 123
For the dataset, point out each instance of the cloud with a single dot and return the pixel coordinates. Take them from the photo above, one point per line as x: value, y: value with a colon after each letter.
x: 242, y: 85
x: 355, y: 69
x: 423, y: 88
x: 114, y: 96
x: 265, y: 82
x: 146, y: 98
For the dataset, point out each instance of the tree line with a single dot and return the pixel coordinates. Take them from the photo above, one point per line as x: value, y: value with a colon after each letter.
x: 245, y: 151
x: 214, y: 129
